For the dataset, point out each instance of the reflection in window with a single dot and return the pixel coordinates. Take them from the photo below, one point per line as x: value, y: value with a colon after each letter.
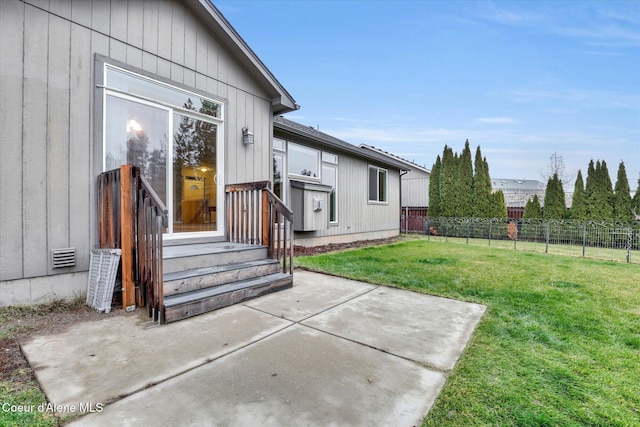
x: 136, y: 134
x: 137, y: 85
x: 278, y: 176
x: 304, y: 161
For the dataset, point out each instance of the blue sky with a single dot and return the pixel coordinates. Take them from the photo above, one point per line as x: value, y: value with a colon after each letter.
x: 522, y: 79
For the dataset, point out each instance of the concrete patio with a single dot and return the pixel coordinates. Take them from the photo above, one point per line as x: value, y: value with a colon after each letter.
x: 329, y: 351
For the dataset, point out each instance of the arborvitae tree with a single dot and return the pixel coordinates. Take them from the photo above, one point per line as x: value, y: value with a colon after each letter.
x: 532, y: 210
x: 481, y: 188
x: 434, y: 189
x: 635, y: 202
x: 448, y: 178
x: 499, y: 206
x: 622, y: 196
x: 464, y: 197
x: 591, y: 193
x: 599, y: 193
x: 578, y: 201
x: 607, y: 190
x: 555, y: 206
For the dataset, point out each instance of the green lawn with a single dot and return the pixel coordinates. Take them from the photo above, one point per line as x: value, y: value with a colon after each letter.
x: 559, y: 343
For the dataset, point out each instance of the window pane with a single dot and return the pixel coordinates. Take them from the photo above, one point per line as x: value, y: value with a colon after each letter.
x: 278, y: 144
x: 303, y: 161
x: 278, y: 175
x: 194, y: 174
x: 373, y: 184
x: 329, y: 158
x: 330, y: 177
x: 137, y: 85
x: 382, y: 183
x: 136, y: 134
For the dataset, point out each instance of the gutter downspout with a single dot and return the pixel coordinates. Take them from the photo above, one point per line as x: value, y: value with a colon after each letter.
x: 402, y: 173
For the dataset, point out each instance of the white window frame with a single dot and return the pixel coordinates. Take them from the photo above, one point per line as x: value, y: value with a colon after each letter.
x: 318, y: 163
x: 377, y: 201
x: 330, y: 160
x: 218, y: 121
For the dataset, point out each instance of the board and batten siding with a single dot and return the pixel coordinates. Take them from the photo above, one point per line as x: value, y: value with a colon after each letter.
x: 356, y: 215
x: 50, y: 118
x: 415, y: 188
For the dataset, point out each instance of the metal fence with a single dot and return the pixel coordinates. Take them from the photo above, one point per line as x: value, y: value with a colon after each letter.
x: 605, y: 240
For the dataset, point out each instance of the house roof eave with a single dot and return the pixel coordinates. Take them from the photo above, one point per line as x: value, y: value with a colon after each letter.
x: 281, y: 100
x: 315, y: 136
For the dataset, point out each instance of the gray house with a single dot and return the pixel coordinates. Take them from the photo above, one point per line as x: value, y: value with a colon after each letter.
x: 414, y: 182
x: 414, y: 191
x: 167, y: 86
x: 339, y: 192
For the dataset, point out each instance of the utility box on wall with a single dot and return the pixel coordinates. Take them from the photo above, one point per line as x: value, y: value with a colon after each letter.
x: 310, y: 204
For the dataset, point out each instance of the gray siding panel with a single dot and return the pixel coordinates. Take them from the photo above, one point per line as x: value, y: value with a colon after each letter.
x: 80, y: 143
x: 150, y: 26
x: 62, y: 8
x: 50, y: 126
x: 34, y: 162
x: 135, y: 23
x: 11, y: 30
x: 118, y: 12
x: 177, y: 33
x: 81, y: 14
x: 57, y: 205
x: 101, y: 16
x: 415, y: 189
x: 190, y: 41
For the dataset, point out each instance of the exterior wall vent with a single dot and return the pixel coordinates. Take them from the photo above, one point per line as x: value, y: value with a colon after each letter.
x: 65, y: 257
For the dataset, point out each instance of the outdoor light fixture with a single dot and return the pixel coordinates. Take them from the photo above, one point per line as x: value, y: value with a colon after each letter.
x: 247, y: 136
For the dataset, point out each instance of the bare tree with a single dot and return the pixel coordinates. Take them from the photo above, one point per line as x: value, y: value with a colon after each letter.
x: 557, y: 167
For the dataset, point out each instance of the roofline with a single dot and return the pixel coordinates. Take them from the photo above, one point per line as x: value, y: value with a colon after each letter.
x: 281, y: 99
x: 314, y: 135
x: 397, y: 158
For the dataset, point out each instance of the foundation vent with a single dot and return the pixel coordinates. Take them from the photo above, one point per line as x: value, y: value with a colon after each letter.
x: 65, y: 257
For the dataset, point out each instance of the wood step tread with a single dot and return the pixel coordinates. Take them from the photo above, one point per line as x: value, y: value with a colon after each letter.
x: 204, y: 271
x: 202, y: 294
x: 180, y: 251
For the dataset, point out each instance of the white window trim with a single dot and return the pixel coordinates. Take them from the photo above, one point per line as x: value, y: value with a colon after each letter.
x: 335, y: 167
x: 305, y: 177
x: 218, y: 121
x: 378, y: 169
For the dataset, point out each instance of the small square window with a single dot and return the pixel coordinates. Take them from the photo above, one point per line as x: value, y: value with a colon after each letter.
x: 278, y: 144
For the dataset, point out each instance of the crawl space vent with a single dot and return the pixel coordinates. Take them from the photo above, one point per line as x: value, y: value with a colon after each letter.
x: 65, y: 257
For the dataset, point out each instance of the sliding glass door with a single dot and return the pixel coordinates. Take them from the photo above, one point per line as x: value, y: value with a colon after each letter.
x: 177, y: 148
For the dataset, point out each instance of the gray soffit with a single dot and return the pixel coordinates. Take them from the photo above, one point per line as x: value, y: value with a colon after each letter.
x: 218, y: 25
x: 314, y: 136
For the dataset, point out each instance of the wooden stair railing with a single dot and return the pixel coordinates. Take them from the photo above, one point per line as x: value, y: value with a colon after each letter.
x: 132, y: 217
x: 256, y: 216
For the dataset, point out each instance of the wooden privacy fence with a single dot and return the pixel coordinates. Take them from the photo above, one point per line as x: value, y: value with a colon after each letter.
x: 256, y: 216
x: 132, y: 217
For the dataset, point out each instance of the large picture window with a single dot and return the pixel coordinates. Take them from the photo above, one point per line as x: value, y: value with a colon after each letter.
x: 304, y: 161
x: 377, y: 184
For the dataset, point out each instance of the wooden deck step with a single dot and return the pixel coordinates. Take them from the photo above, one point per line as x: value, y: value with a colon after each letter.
x: 183, y: 305
x: 205, y: 277
x: 189, y: 257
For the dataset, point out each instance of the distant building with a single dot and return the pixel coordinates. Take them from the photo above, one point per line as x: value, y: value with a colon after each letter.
x: 517, y: 192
